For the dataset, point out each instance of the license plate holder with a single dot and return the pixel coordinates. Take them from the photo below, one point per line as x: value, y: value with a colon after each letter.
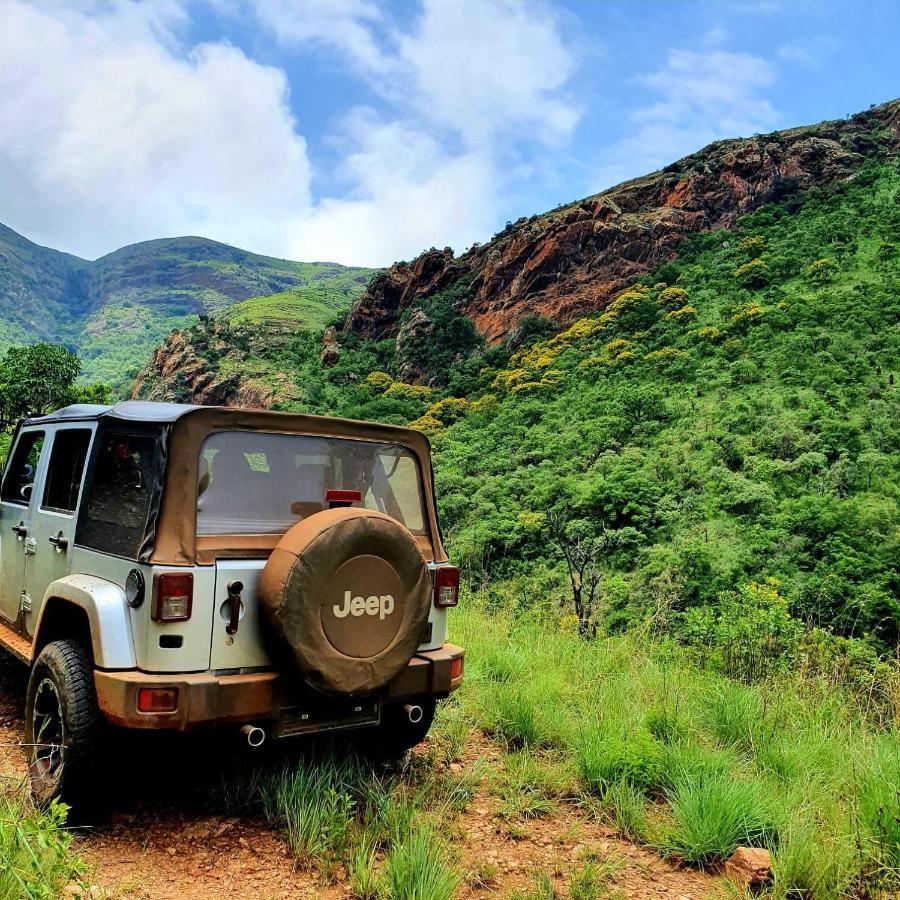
x: 310, y: 718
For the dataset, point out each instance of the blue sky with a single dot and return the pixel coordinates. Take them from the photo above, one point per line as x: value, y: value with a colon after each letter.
x: 362, y: 131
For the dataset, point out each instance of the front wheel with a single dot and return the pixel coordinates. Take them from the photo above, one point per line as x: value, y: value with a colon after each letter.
x: 62, y: 721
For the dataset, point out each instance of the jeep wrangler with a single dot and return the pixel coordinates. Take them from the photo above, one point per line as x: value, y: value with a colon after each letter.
x: 167, y: 566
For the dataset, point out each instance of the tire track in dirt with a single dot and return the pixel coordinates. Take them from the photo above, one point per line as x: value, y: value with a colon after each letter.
x: 168, y: 838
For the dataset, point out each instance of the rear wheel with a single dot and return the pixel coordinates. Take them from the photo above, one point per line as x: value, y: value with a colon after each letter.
x: 61, y: 724
x: 397, y: 733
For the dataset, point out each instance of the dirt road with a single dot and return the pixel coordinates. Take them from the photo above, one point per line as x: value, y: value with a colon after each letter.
x: 169, y: 837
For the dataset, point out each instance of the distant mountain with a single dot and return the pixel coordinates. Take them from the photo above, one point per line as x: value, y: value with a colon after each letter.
x: 114, y: 311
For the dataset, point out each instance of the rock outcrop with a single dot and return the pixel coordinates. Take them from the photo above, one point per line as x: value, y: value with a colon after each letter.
x: 188, y: 368
x: 574, y: 259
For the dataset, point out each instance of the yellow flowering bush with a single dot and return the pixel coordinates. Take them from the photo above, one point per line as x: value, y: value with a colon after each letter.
x: 616, y: 346
x: 448, y: 410
x: 484, y: 404
x: 752, y: 274
x: 401, y: 391
x: 381, y: 381
x: 427, y: 424
x: 821, y: 270
x: 748, y: 313
x: 682, y: 313
x: 755, y: 243
x: 666, y: 354
x: 708, y: 333
x: 673, y: 296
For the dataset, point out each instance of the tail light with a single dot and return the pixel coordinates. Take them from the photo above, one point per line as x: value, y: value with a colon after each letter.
x: 174, y: 597
x: 446, y: 586
x: 336, y: 499
x: 157, y: 700
x: 456, y: 668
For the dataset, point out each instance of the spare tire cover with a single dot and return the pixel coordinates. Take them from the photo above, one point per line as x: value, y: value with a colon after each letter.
x: 346, y: 595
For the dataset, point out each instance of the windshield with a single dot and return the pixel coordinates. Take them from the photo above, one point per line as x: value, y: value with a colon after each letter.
x: 254, y: 482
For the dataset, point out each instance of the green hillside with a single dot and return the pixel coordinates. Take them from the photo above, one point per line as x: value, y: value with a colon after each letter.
x: 732, y: 420
x: 678, y: 525
x: 115, y: 310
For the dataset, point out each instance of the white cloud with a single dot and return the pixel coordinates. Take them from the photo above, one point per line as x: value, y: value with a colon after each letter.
x: 484, y: 68
x: 408, y: 194
x: 345, y: 25
x: 482, y: 78
x: 108, y: 135
x: 113, y: 128
x: 699, y: 97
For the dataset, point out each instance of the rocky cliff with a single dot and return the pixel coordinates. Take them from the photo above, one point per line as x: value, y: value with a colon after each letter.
x: 576, y: 258
x: 217, y: 364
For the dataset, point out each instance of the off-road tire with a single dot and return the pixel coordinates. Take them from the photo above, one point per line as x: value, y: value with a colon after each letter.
x: 63, y: 667
x: 396, y: 734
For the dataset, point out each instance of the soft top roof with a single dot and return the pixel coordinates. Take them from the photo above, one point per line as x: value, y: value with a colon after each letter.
x: 152, y: 412
x: 132, y: 410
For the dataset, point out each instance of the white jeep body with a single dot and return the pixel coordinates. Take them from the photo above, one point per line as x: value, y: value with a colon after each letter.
x: 59, y: 580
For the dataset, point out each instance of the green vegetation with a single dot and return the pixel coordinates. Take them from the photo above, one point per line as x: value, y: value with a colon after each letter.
x: 383, y: 827
x: 680, y: 521
x: 714, y: 458
x: 115, y: 310
x: 35, y: 858
x: 806, y: 768
x: 308, y: 308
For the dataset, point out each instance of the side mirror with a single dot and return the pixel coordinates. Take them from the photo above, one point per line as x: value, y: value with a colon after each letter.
x: 26, y: 490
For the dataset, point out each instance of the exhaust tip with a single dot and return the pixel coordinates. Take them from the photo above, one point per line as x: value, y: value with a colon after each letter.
x: 415, y: 714
x: 255, y: 735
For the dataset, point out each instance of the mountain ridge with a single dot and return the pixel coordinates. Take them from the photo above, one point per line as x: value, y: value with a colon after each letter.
x: 143, y: 291
x: 573, y: 260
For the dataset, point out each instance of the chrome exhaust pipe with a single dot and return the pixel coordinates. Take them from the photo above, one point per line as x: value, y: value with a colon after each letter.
x: 255, y: 735
x: 413, y: 713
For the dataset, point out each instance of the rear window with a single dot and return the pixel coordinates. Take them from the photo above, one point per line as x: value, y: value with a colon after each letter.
x: 124, y: 480
x: 263, y: 483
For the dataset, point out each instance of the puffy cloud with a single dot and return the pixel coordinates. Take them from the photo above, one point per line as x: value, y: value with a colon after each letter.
x: 114, y: 128
x: 488, y: 68
x: 407, y: 193
x: 482, y: 78
x: 699, y: 97
x: 109, y: 135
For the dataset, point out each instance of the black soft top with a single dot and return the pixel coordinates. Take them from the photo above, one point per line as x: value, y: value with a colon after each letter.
x: 128, y: 410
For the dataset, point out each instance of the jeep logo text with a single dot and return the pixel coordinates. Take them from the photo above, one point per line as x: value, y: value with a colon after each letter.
x: 370, y: 606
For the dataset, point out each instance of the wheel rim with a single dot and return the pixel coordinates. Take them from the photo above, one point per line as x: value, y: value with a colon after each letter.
x: 49, y: 732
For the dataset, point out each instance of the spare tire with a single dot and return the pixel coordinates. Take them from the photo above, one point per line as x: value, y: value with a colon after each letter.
x: 346, y: 595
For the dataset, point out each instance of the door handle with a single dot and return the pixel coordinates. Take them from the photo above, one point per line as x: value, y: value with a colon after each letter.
x: 234, y: 600
x: 60, y: 541
x: 20, y: 530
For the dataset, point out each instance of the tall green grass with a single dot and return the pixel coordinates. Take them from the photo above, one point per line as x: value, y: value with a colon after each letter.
x: 693, y: 763
x: 338, y: 810
x: 36, y: 860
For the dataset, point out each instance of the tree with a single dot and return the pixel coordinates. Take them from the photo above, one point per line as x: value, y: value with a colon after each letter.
x: 581, y: 549
x: 36, y: 379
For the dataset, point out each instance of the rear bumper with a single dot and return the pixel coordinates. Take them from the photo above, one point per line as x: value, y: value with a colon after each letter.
x: 207, y: 699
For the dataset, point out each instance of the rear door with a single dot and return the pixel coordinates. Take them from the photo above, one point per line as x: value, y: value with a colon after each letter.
x: 244, y: 648
x: 54, y: 506
x: 16, y: 502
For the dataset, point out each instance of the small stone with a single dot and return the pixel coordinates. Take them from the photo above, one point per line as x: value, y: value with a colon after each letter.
x: 749, y: 867
x: 171, y: 851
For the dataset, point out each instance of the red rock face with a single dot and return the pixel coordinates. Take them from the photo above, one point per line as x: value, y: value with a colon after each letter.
x: 575, y: 259
x: 177, y: 373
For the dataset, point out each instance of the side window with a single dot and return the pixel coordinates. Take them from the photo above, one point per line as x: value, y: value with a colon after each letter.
x: 66, y: 469
x: 18, y: 479
x: 116, y: 503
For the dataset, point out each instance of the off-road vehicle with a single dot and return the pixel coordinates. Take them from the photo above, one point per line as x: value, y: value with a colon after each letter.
x: 167, y: 566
